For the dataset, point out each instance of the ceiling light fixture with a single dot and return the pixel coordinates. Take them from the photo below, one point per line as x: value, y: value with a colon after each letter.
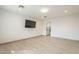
x: 44, y: 10
x: 20, y: 7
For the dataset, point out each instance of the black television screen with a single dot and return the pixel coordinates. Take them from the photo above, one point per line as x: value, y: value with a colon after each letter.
x: 30, y: 24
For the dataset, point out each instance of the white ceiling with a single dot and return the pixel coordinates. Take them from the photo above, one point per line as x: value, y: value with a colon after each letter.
x: 34, y: 10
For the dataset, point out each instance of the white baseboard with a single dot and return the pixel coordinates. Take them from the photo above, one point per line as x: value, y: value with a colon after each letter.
x: 65, y: 38
x: 16, y: 39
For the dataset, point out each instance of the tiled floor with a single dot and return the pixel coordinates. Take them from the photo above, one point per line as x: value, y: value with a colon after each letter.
x: 41, y: 45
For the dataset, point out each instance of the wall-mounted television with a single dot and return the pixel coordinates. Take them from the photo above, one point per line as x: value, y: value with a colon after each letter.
x: 30, y: 24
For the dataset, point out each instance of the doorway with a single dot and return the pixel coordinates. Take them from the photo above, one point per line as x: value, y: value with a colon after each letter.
x: 48, y: 29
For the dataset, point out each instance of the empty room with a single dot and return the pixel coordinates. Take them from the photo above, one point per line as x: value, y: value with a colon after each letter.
x: 39, y: 29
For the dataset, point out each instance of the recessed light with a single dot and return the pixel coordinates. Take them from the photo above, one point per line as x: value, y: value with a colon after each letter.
x: 44, y: 10
x: 66, y: 11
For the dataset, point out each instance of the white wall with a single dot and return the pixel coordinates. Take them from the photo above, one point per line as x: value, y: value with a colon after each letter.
x: 12, y: 27
x: 66, y: 27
